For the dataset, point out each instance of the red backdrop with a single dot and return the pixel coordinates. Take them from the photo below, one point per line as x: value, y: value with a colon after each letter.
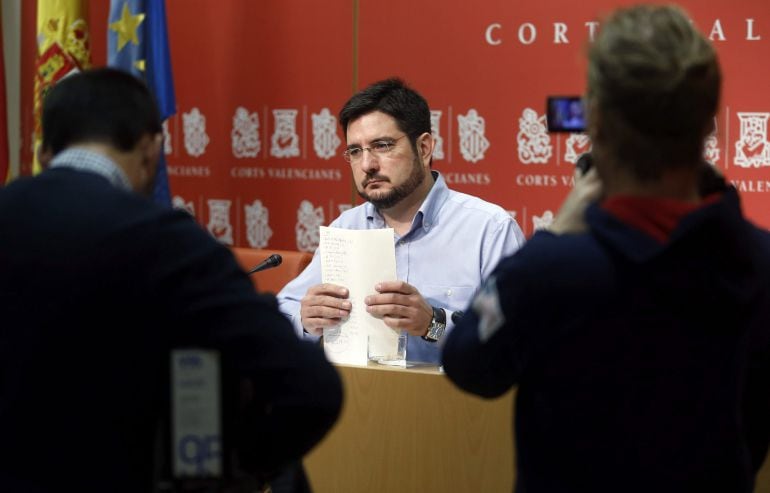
x: 261, y: 73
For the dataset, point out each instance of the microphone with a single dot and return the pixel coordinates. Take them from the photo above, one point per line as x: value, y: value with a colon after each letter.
x: 585, y: 162
x: 273, y: 260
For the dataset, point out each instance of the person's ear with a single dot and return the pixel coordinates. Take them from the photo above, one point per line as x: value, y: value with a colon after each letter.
x: 153, y: 148
x: 44, y: 156
x: 425, y: 144
x: 150, y: 148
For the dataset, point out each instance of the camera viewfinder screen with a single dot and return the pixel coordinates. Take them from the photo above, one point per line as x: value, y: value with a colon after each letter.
x: 565, y: 114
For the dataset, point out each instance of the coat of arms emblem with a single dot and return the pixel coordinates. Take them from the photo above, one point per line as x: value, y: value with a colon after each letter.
x: 473, y: 142
x: 285, y: 141
x: 325, y: 139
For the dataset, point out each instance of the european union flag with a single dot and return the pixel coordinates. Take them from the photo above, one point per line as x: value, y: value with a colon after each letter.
x: 137, y: 42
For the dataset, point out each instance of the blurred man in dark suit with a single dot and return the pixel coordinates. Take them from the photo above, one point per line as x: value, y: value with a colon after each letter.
x: 98, y: 285
x: 638, y: 329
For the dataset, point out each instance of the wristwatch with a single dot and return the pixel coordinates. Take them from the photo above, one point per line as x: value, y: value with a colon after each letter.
x: 437, y: 325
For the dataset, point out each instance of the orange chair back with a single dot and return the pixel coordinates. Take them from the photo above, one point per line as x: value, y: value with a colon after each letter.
x: 272, y: 280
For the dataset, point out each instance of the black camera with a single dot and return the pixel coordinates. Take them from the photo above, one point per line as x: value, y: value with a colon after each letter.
x: 565, y: 114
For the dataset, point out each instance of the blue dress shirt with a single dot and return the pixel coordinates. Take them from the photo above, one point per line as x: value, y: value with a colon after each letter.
x: 455, y: 242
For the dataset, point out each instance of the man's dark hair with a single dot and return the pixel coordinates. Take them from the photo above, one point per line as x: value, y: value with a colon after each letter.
x: 102, y: 105
x: 392, y: 97
x: 656, y: 82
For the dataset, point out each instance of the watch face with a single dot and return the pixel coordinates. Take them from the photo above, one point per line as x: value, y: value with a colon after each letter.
x: 437, y: 325
x: 436, y: 331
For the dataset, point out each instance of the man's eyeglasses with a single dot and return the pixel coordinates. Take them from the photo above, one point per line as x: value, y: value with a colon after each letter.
x: 377, y: 148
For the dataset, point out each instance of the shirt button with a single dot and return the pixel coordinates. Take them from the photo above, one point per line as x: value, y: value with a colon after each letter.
x: 449, y: 292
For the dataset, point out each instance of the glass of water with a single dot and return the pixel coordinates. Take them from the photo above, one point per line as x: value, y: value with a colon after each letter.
x: 398, y: 358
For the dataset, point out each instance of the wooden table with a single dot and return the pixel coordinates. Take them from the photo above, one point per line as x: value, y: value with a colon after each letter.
x: 411, y: 430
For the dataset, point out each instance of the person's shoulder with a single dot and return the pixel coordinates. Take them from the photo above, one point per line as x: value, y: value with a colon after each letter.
x: 171, y: 242
x: 761, y: 235
x: 564, y: 255
x: 761, y: 241
x: 175, y: 222
x: 352, y: 218
x: 476, y: 205
x: 141, y: 223
x: 16, y: 191
x: 567, y: 245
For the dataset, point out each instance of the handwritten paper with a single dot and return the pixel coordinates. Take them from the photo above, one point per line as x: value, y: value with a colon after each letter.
x: 358, y: 260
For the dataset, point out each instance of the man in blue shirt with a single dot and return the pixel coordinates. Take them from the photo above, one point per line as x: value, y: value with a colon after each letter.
x: 446, y: 242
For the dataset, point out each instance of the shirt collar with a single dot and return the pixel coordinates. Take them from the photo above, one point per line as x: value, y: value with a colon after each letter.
x: 427, y: 214
x: 92, y: 162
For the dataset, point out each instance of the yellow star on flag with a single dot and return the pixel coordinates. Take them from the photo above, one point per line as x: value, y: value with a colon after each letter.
x: 126, y: 27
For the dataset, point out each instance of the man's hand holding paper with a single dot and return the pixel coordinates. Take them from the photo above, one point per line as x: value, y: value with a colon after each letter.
x: 324, y: 305
x: 401, y: 306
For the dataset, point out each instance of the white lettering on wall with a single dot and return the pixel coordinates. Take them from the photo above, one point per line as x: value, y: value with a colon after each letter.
x: 527, y: 33
x: 592, y: 27
x: 488, y: 35
x: 495, y: 34
x: 750, y: 31
x: 560, y: 33
x: 717, y: 32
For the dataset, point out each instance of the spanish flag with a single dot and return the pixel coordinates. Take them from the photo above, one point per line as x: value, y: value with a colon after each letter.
x: 63, y: 47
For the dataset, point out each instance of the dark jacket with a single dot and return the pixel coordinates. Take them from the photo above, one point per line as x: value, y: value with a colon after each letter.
x: 97, y: 285
x: 640, y: 366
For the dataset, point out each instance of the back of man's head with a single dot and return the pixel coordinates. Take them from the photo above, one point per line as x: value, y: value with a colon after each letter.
x: 392, y: 97
x: 105, y: 106
x: 653, y: 85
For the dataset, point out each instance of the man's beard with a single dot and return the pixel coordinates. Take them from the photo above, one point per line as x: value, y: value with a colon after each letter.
x: 398, y: 193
